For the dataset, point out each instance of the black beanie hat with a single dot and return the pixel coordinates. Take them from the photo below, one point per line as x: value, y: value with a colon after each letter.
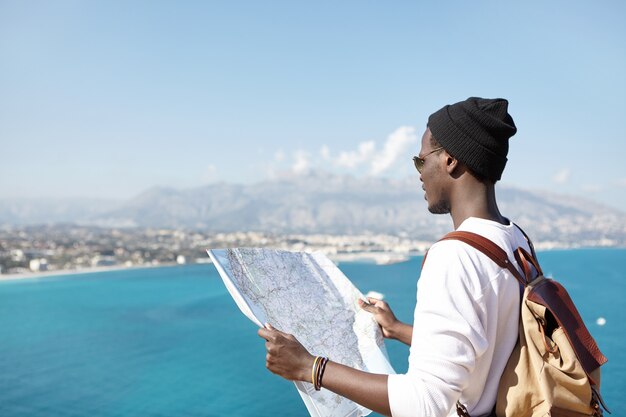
x: 476, y: 132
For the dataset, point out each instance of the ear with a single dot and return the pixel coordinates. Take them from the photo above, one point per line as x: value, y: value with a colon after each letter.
x: 452, y: 164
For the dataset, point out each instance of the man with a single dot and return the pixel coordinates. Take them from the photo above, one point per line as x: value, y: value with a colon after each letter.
x: 466, y: 317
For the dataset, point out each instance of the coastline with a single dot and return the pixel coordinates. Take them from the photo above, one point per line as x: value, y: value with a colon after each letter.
x: 85, y: 271
x: 378, y: 258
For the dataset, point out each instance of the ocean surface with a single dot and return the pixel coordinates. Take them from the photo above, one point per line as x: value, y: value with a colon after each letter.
x: 171, y: 342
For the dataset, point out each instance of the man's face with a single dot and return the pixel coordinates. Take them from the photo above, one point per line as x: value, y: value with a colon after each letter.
x: 433, y: 176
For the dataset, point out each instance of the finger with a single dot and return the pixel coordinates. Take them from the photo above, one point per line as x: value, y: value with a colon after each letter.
x: 268, y: 335
x: 370, y: 308
x: 274, y: 329
x: 372, y: 300
x: 383, y: 305
x: 275, y: 332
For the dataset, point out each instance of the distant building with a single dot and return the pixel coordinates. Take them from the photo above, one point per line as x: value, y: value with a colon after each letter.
x: 99, y: 260
x: 181, y: 260
x: 17, y: 255
x: 38, y: 265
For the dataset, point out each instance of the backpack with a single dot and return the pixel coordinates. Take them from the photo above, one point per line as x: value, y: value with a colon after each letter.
x: 554, y: 369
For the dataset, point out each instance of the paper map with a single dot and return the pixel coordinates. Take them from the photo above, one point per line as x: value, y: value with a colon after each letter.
x: 308, y: 296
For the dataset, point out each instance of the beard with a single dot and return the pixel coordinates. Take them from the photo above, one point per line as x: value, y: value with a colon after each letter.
x: 440, y: 207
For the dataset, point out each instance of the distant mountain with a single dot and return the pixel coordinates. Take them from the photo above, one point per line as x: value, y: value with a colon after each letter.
x: 330, y: 204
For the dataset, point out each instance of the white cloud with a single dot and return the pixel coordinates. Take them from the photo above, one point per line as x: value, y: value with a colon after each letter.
x: 562, y: 176
x: 621, y: 182
x: 366, y: 158
x: 301, y: 162
x: 354, y: 158
x: 398, y: 143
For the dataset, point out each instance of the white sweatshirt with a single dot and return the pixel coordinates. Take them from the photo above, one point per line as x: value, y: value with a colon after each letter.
x: 464, y: 329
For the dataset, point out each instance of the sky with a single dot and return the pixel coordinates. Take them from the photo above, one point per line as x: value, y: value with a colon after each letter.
x: 109, y: 98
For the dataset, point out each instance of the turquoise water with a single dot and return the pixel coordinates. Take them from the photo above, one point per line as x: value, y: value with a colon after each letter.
x: 171, y: 342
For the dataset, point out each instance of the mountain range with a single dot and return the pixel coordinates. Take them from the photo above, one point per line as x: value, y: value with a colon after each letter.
x: 321, y: 203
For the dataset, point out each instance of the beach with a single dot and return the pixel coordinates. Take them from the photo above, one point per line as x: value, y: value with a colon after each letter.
x: 69, y: 272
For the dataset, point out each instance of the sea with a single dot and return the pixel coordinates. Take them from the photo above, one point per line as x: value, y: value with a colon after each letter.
x: 170, y: 341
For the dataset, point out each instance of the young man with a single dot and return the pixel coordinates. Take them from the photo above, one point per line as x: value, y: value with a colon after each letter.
x: 466, y: 317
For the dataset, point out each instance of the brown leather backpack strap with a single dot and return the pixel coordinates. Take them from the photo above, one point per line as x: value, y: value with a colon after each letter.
x: 461, y: 410
x: 530, y: 243
x: 532, y: 259
x: 519, y: 257
x: 490, y: 249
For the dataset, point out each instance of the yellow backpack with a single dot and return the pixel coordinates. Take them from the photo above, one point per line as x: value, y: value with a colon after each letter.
x: 554, y: 369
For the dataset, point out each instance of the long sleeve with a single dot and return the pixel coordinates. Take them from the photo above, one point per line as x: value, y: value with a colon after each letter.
x: 455, y: 330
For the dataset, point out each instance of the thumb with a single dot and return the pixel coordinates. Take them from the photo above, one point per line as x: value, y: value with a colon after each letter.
x: 370, y: 308
x: 274, y: 329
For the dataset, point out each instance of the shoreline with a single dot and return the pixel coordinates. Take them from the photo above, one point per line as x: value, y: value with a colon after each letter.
x: 85, y: 271
x: 376, y: 258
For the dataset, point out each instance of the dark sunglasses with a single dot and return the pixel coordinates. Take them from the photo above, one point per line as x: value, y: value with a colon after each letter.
x: 419, y: 161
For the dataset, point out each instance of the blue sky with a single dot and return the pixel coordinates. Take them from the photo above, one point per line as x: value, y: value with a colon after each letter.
x: 108, y: 98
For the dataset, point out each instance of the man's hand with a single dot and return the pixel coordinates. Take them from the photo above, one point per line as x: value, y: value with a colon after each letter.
x: 286, y: 357
x: 391, y: 327
x: 382, y: 314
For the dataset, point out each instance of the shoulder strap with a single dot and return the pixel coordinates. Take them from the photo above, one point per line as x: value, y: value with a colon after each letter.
x: 530, y: 243
x: 490, y: 249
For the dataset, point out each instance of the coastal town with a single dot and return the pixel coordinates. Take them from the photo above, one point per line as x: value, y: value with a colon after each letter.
x: 29, y: 250
x: 46, y: 249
